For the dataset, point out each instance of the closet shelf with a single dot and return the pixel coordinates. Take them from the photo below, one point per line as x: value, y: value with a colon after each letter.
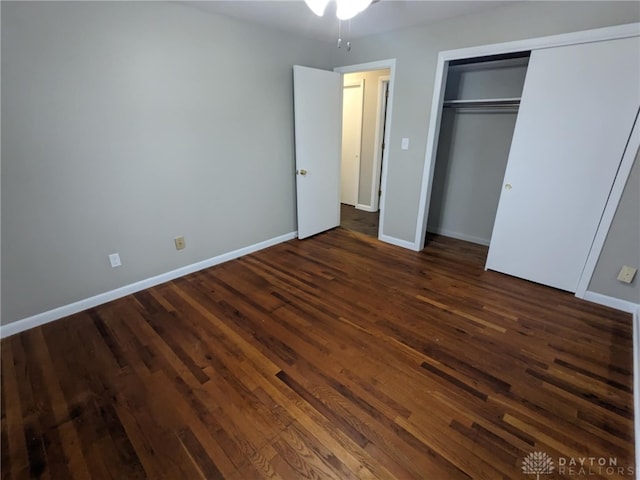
x: 483, y: 103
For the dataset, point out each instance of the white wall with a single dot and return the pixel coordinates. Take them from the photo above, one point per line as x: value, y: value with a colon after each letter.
x: 416, y: 50
x: 126, y: 124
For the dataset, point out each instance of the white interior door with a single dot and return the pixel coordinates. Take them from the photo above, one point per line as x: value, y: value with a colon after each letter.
x: 352, y: 105
x: 578, y: 107
x: 317, y: 96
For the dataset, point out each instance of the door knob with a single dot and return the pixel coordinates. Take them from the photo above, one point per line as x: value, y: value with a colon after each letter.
x: 508, y: 186
x: 302, y: 172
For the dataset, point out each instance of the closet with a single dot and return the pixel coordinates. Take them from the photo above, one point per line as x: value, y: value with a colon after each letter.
x: 575, y: 112
x: 482, y: 96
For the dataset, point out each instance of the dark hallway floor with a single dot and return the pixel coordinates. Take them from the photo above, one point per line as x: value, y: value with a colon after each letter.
x: 359, y: 220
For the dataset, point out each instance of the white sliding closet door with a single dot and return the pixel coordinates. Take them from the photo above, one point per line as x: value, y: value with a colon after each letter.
x: 577, y: 110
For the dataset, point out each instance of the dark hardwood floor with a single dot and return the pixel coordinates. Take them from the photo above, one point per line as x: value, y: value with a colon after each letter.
x: 337, y: 357
x: 358, y: 220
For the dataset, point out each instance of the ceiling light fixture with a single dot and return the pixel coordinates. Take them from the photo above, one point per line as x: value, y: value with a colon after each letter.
x: 317, y: 6
x: 346, y: 9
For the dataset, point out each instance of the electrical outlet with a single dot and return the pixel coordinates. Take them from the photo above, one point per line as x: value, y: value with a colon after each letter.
x: 179, y: 241
x: 114, y: 259
x: 627, y: 273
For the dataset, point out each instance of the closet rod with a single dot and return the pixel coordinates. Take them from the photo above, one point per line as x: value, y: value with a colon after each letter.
x: 497, y: 103
x: 485, y: 106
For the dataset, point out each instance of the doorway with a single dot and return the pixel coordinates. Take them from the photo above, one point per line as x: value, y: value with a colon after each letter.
x: 365, y: 115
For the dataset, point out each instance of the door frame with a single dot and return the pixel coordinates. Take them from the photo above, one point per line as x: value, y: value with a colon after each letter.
x: 383, y: 80
x: 433, y: 132
x: 345, y: 85
x: 379, y: 65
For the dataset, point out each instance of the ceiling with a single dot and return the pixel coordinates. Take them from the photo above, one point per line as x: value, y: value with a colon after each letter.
x: 384, y: 16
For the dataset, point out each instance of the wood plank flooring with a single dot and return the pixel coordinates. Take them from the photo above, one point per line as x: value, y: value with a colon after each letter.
x: 338, y: 357
x: 358, y: 220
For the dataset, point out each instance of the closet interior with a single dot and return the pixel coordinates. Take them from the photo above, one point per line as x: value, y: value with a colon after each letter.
x: 478, y: 117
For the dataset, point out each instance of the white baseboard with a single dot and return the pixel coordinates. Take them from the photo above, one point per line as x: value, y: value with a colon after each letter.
x: 636, y: 386
x: 459, y: 236
x: 66, y: 310
x: 366, y: 208
x: 399, y: 243
x: 612, y: 302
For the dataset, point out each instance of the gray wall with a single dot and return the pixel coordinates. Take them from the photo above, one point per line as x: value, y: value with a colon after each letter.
x: 622, y: 246
x: 486, y: 80
x: 472, y: 157
x: 370, y: 110
x: 127, y: 124
x: 416, y: 50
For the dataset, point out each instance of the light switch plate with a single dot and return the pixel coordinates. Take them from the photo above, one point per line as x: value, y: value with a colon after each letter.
x: 627, y: 273
x: 405, y: 144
